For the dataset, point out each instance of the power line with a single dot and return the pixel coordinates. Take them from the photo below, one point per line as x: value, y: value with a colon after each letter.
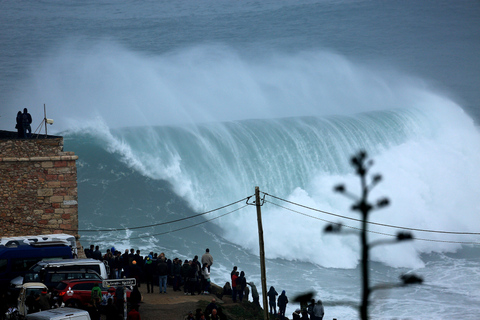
x: 370, y: 231
x: 142, y: 227
x: 370, y: 222
x: 278, y: 205
x: 172, y: 221
x: 187, y: 227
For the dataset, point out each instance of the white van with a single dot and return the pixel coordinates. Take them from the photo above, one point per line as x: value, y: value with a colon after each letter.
x: 59, y: 314
x: 35, y: 272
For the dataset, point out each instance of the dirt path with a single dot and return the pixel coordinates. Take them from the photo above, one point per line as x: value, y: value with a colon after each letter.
x: 172, y: 305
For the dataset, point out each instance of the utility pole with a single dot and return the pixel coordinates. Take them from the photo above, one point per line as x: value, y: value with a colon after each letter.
x: 262, y: 253
x: 45, y: 119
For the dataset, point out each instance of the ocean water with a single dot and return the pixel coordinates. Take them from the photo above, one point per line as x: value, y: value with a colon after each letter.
x: 179, y: 108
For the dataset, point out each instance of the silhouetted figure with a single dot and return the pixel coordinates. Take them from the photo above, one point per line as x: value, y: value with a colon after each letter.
x: 149, y: 271
x: 19, y: 125
x: 241, y: 284
x: 26, y: 120
x: 135, y: 297
x: 282, y: 304
x: 255, y: 295
x: 272, y: 297
x: 111, y: 311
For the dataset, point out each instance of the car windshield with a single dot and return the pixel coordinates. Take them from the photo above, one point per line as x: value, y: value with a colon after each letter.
x: 61, y: 286
x: 31, y: 277
x: 33, y: 291
x: 36, y: 268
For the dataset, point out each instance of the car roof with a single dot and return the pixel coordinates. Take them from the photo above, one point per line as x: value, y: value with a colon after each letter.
x: 81, y: 280
x: 64, y: 262
x: 58, y: 313
x: 81, y: 270
x: 34, y: 285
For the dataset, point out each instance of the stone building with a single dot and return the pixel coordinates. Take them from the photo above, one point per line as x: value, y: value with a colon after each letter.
x: 38, y: 186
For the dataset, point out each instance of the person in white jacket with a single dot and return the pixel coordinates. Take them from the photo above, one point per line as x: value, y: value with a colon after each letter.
x: 206, y: 278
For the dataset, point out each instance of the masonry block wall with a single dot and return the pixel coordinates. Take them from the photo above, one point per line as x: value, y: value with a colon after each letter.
x: 38, y: 187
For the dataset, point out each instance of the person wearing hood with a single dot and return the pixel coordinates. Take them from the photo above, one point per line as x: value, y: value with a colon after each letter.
x: 282, y: 304
x: 272, y: 296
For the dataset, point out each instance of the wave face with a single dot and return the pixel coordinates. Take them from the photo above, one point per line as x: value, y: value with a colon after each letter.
x: 427, y: 156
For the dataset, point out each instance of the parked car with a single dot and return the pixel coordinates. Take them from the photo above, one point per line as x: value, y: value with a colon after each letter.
x: 51, y: 278
x: 59, y: 314
x: 28, y: 289
x: 78, y: 293
x: 37, y: 272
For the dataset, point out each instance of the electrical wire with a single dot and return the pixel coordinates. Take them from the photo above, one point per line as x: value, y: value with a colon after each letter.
x: 143, y: 227
x: 183, y: 228
x: 370, y: 231
x: 370, y: 222
x: 278, y: 205
x: 168, y: 222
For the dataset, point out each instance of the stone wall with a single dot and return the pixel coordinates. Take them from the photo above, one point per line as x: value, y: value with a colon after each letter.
x: 38, y: 187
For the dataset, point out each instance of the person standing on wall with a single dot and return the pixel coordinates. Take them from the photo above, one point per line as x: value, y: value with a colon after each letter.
x: 207, y: 258
x: 19, y: 125
x: 27, y: 120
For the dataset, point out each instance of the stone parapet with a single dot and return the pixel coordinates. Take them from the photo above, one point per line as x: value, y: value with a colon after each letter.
x: 38, y: 187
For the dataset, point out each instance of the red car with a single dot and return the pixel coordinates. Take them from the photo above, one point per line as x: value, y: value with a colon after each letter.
x: 77, y: 293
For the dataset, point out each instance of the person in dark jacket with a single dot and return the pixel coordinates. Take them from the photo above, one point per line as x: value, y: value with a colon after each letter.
x: 192, y: 277
x: 135, y: 271
x: 125, y: 264
x: 135, y: 297
x: 282, y: 304
x: 272, y: 297
x: 97, y: 254
x: 111, y: 311
x: 149, y: 271
x: 162, y: 271
x: 241, y: 284
x: 26, y: 120
x: 19, y: 125
x: 177, y: 274
x: 185, y: 272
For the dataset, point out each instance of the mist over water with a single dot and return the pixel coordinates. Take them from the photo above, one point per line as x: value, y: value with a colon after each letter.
x: 83, y: 80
